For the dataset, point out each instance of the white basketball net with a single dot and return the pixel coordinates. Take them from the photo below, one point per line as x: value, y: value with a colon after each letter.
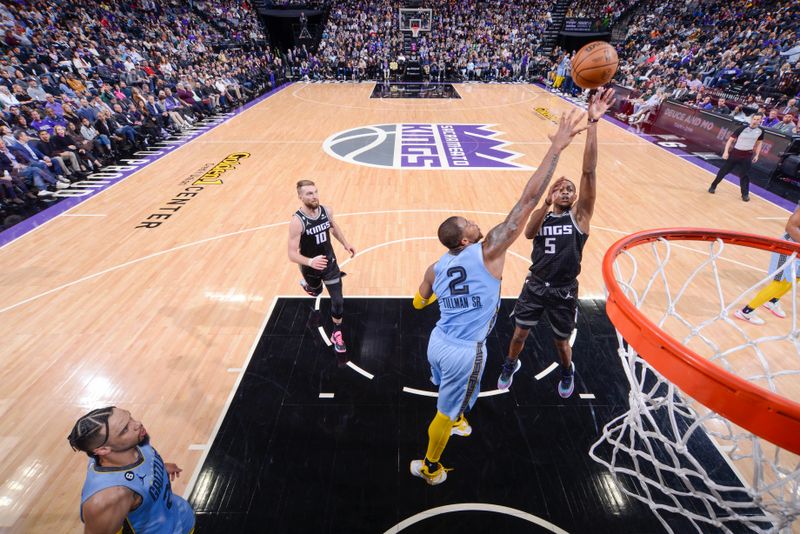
x: 660, y: 450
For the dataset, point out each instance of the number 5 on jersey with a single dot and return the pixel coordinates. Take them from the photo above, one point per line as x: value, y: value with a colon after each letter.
x: 550, y: 245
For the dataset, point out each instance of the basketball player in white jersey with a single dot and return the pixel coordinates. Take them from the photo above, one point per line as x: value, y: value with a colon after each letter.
x: 310, y: 247
x: 559, y: 230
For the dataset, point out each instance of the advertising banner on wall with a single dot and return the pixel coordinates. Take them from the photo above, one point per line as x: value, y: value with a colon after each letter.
x: 575, y: 24
x: 709, y: 132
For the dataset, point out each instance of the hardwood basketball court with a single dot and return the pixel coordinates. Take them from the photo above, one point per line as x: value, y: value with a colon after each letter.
x: 98, y: 308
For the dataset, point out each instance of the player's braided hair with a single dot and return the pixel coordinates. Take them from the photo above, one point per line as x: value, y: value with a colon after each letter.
x: 88, y: 434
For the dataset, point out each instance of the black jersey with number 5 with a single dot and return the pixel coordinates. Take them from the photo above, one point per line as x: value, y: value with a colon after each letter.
x: 316, y: 237
x: 557, y: 250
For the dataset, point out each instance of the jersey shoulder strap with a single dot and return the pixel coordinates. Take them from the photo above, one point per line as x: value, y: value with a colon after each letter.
x: 303, y: 219
x: 575, y: 223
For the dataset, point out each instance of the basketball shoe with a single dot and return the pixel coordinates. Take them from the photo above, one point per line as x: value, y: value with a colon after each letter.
x: 338, y: 341
x: 419, y: 469
x: 314, y: 292
x: 748, y: 317
x: 461, y: 427
x: 775, y: 308
x: 507, y: 374
x: 567, y: 383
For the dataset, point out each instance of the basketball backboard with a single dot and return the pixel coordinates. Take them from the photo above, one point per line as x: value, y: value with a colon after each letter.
x: 411, y: 16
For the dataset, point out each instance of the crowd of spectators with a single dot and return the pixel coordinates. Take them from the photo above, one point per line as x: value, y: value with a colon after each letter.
x: 83, y: 83
x: 730, y: 57
x: 236, y: 20
x: 606, y: 11
x: 743, y: 50
x: 715, y: 43
x: 489, y: 40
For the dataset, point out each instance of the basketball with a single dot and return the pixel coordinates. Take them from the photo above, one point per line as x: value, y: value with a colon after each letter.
x: 594, y: 65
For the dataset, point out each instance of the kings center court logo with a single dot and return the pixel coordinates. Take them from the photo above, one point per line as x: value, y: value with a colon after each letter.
x: 429, y: 146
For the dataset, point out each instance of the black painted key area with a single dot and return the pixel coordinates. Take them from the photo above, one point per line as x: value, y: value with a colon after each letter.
x: 310, y: 445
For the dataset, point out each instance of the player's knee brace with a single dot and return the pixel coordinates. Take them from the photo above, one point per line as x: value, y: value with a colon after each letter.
x: 337, y: 300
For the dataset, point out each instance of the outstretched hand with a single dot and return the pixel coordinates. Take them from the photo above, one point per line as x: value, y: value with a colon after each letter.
x: 568, y: 127
x: 600, y: 102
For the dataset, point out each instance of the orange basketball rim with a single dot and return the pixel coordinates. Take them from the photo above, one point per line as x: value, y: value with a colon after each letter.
x: 758, y: 410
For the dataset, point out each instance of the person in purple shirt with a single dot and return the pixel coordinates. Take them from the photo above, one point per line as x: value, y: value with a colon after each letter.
x: 772, y: 120
x: 50, y: 114
x: 39, y: 124
x: 53, y: 104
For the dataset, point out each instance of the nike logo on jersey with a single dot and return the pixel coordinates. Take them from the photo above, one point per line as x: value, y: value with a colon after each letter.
x: 556, y: 230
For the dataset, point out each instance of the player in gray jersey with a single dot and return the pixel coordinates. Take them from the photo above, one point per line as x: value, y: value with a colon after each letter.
x: 310, y: 247
x: 558, y: 239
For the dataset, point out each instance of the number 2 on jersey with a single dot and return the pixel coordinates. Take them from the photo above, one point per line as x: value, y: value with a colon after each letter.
x: 460, y: 275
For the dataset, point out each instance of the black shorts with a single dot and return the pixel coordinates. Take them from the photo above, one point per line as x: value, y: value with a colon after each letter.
x: 331, y: 274
x: 560, y: 303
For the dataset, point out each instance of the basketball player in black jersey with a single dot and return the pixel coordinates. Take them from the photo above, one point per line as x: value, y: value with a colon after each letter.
x: 558, y: 239
x: 310, y: 247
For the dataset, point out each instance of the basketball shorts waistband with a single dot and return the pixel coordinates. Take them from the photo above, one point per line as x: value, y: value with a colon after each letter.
x: 454, y: 340
x: 536, y: 281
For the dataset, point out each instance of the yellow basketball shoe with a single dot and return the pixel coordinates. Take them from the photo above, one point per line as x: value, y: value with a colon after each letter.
x: 461, y: 427
x: 419, y: 469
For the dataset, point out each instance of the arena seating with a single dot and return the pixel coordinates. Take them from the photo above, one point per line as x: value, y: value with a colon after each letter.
x: 119, y: 75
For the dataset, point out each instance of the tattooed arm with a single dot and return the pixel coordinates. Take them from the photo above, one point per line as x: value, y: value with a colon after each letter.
x: 504, y: 234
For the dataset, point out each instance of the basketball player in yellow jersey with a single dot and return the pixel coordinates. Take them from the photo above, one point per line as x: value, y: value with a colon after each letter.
x: 781, y: 284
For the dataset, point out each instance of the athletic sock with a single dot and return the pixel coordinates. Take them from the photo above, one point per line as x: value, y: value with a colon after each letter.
x: 438, y: 435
